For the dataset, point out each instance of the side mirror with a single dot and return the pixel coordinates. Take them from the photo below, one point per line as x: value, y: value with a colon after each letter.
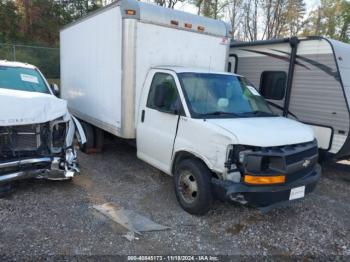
x: 55, y: 89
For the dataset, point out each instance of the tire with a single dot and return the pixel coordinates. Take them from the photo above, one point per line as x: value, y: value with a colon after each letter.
x: 192, y: 182
x: 90, y: 138
x: 99, y: 138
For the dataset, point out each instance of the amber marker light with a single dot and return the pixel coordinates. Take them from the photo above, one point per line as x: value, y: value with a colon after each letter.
x: 264, y: 180
x: 201, y: 28
x: 188, y: 25
x: 130, y: 12
x: 174, y: 23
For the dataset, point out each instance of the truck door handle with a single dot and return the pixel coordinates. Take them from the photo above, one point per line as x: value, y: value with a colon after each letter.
x: 143, y: 116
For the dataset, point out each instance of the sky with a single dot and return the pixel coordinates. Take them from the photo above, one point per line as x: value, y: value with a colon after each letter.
x: 311, y: 4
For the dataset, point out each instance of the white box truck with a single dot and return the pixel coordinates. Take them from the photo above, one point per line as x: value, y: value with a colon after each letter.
x: 156, y: 75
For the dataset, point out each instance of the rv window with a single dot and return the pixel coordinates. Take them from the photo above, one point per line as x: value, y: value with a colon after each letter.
x: 273, y: 84
x: 163, y: 95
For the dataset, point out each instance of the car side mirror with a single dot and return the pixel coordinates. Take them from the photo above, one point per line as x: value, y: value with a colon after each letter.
x: 55, y: 89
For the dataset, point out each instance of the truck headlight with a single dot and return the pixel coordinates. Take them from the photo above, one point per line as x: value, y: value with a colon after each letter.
x: 253, y: 160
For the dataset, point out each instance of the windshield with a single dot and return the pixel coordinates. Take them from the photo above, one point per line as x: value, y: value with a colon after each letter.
x: 222, y: 95
x: 23, y: 79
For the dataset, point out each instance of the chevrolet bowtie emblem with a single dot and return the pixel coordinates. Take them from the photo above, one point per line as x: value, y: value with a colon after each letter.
x: 306, y: 163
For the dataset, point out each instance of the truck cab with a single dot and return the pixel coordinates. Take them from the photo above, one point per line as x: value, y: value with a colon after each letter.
x: 218, y: 137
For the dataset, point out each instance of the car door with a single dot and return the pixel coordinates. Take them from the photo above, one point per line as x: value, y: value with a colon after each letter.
x: 158, y: 121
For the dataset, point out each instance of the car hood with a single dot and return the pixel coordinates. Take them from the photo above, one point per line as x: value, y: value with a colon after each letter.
x: 25, y: 108
x: 266, y: 131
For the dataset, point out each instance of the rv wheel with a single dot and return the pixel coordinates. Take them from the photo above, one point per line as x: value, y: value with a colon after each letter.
x: 193, y: 186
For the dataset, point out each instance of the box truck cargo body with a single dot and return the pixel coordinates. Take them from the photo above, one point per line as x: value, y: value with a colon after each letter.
x: 106, y: 56
x: 157, y: 75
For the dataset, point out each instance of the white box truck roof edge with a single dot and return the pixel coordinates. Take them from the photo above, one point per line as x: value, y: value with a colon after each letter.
x: 158, y: 15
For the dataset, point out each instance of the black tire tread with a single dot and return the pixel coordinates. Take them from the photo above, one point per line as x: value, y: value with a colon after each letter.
x: 89, y: 133
x: 203, y: 177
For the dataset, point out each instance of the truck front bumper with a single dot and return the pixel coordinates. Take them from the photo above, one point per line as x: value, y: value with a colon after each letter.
x: 264, y: 197
x: 54, y: 168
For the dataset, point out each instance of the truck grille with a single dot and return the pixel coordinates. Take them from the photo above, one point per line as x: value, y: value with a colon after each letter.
x: 20, y: 138
x: 295, y: 161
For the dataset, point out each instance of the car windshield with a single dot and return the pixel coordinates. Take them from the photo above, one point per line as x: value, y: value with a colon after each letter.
x: 23, y: 79
x: 219, y: 95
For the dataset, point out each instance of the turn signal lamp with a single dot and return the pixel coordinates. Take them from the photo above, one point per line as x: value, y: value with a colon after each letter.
x: 130, y: 12
x: 264, y: 180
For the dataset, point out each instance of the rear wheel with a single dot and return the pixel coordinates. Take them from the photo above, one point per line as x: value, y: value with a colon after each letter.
x: 193, y: 186
x: 99, y: 138
x: 90, y: 138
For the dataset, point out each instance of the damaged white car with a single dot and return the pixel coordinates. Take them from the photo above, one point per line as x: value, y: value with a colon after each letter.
x: 36, y: 129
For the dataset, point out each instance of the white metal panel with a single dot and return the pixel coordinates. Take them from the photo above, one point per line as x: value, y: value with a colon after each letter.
x: 26, y: 108
x: 323, y: 135
x: 337, y: 143
x: 342, y: 53
x: 317, y: 46
x: 161, y: 46
x: 91, y: 69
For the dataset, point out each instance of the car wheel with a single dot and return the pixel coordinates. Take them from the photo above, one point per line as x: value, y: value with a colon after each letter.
x: 192, y: 181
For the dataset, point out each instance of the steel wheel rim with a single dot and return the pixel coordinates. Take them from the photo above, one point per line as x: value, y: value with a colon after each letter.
x: 188, y: 187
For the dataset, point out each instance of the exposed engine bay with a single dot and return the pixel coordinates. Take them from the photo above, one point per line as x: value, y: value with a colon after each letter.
x: 38, y: 150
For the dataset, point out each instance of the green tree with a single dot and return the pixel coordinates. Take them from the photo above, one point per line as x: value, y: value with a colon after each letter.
x: 331, y: 19
x: 294, y: 17
x: 9, y: 21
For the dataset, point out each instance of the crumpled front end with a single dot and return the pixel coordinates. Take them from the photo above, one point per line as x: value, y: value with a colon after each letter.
x: 269, y: 177
x: 40, y: 150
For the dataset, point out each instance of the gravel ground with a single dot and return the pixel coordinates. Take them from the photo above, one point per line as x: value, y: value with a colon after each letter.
x: 56, y: 218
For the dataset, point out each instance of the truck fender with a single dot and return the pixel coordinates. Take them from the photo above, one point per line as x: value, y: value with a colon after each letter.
x: 194, y: 154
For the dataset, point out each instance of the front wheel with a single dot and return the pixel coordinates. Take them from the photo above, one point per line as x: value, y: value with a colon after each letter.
x: 193, y: 186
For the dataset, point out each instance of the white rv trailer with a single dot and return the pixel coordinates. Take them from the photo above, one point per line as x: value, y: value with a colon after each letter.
x: 157, y: 75
x: 307, y: 79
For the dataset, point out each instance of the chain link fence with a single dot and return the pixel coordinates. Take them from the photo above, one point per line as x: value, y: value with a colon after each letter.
x: 47, y: 59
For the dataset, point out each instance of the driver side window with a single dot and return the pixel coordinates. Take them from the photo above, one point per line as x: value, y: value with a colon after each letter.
x: 163, y: 95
